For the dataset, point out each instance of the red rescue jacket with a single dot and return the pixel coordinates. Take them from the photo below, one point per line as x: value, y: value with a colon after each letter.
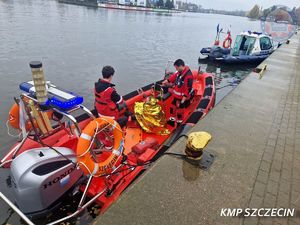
x: 183, y: 83
x: 106, y: 99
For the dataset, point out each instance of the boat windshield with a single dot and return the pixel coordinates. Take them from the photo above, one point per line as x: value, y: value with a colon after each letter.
x: 243, y: 45
x: 265, y: 43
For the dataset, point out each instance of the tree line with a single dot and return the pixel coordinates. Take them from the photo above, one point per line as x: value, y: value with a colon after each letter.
x: 275, y: 14
x: 169, y: 4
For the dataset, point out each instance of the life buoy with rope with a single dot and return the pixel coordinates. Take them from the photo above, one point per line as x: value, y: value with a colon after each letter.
x: 86, y: 142
x: 227, y: 42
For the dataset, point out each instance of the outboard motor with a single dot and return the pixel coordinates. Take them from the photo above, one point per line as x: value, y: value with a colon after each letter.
x: 41, y: 176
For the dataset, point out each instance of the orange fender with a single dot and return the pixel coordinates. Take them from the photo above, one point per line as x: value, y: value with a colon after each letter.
x: 14, y: 118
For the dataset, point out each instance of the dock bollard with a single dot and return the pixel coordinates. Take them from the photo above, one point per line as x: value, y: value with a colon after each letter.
x: 195, y: 144
x: 194, y: 150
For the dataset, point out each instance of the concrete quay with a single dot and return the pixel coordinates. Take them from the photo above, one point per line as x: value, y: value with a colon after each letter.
x: 256, y: 140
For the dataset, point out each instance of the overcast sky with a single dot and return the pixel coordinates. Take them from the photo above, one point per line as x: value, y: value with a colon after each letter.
x: 244, y: 4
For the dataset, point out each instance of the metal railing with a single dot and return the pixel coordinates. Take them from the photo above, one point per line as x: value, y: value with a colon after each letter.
x: 15, y: 208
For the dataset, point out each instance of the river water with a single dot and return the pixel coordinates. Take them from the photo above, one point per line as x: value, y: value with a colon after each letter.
x: 74, y: 42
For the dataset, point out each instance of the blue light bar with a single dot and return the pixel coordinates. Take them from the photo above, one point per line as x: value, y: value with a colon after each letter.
x: 63, y: 104
x: 27, y: 87
x: 57, y: 97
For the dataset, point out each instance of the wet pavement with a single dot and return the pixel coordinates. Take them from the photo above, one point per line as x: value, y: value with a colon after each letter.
x: 256, y: 141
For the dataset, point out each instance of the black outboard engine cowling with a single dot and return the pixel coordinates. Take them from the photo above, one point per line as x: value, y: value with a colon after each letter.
x: 41, y: 176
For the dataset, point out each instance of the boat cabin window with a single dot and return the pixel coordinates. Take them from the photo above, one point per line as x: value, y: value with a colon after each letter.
x: 243, y: 45
x: 265, y: 43
x: 236, y: 46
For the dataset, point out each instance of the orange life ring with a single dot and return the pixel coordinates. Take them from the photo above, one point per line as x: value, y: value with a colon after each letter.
x: 227, y: 42
x: 84, y: 157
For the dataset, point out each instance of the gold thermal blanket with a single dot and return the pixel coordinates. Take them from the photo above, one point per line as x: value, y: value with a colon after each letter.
x: 151, y: 117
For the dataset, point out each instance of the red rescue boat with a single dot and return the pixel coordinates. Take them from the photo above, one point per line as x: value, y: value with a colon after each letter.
x: 72, y: 152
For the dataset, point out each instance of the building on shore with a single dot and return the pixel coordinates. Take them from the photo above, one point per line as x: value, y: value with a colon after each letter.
x: 93, y: 3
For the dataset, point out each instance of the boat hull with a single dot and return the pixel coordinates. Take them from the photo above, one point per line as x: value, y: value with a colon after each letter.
x: 215, y: 51
x: 113, y: 184
x: 243, y: 59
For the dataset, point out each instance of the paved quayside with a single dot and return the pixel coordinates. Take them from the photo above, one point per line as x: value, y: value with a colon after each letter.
x: 256, y: 139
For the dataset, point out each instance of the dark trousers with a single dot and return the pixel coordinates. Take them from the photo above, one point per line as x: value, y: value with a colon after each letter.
x: 122, y: 120
x: 177, y: 109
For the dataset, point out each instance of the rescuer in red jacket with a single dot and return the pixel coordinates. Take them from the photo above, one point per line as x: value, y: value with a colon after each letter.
x: 182, y: 83
x: 107, y: 100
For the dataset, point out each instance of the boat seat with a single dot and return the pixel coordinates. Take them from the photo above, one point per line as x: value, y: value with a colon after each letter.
x: 194, y: 118
x: 204, y: 103
x: 208, y: 81
x: 208, y: 92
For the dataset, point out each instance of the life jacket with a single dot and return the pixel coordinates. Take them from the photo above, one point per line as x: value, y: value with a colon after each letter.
x: 103, y: 102
x: 181, y: 84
